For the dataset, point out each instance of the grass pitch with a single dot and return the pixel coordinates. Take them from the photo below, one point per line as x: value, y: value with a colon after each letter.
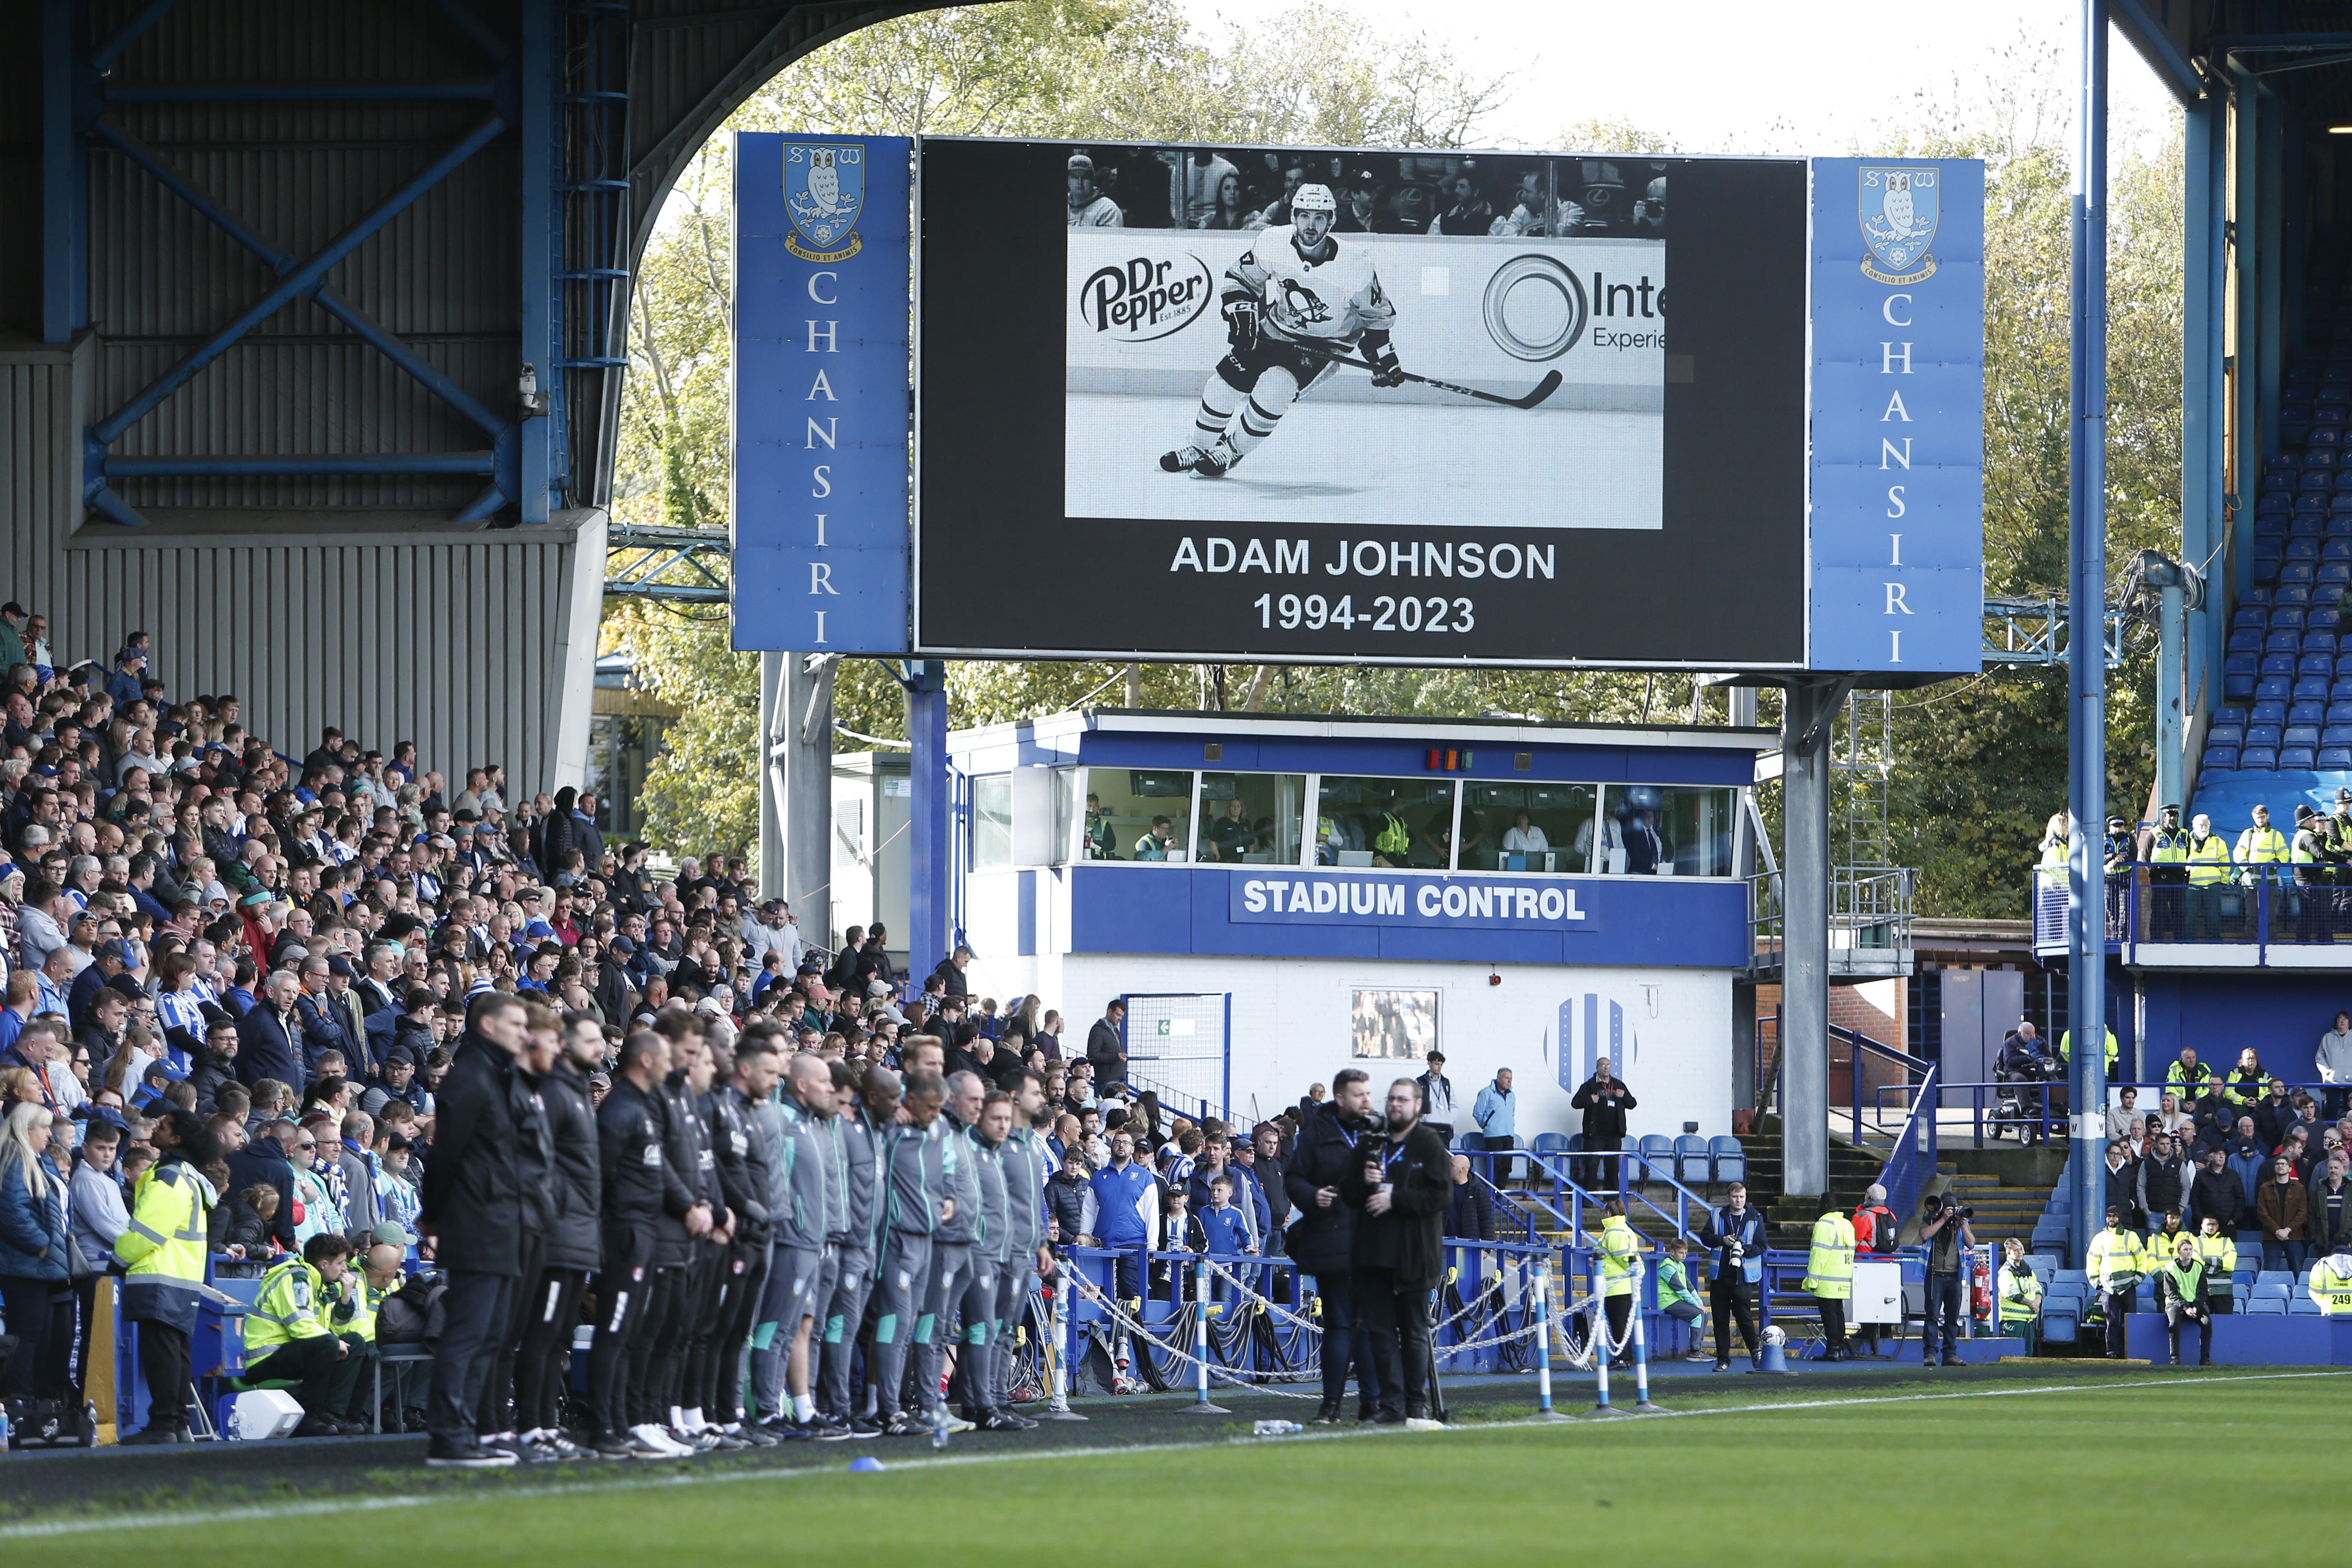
x: 1897, y: 1469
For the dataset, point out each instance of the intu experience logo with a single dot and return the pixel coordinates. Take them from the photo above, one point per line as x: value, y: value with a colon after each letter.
x: 1142, y: 299
x: 824, y: 190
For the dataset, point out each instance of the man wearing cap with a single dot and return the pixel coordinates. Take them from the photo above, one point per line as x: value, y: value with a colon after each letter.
x: 2165, y: 849
x: 1090, y: 208
x: 2313, y: 920
x: 110, y: 959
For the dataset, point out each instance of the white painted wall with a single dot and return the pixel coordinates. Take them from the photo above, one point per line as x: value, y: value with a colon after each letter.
x: 1290, y: 1026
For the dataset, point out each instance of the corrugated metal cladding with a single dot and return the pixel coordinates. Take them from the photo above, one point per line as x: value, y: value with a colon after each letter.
x: 468, y: 643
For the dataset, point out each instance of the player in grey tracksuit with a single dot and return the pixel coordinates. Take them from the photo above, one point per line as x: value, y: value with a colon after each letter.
x: 976, y: 1351
x: 861, y: 1135
x: 1023, y: 1159
x: 800, y: 1203
x: 915, y: 1203
x: 953, y: 1244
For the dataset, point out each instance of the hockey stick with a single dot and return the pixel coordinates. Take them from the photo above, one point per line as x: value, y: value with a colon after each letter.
x: 1543, y: 389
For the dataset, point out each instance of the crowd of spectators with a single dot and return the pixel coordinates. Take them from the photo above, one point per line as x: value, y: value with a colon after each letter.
x: 254, y: 1005
x: 1430, y: 192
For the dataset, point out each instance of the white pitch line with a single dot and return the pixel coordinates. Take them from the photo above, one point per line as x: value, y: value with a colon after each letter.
x: 263, y: 1512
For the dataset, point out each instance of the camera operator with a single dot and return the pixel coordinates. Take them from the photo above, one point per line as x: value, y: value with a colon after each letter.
x: 1737, y: 1234
x: 1401, y: 1190
x: 1946, y: 1232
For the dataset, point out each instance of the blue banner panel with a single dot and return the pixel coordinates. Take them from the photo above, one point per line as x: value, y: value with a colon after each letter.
x: 1895, y: 478
x: 1430, y: 902
x: 823, y: 398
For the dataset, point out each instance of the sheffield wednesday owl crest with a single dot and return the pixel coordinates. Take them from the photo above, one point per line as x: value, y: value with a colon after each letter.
x: 824, y: 187
x: 1898, y: 208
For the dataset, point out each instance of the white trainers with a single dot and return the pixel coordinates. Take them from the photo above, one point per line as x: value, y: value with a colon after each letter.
x: 1423, y: 1424
x: 653, y: 1436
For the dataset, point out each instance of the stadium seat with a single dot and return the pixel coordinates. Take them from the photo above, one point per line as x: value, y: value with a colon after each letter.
x: 2274, y: 689
x: 2312, y: 687
x: 2297, y: 759
x: 2282, y: 1278
x: 2303, y: 1306
x: 2267, y: 1305
x: 2312, y: 661
x: 2332, y: 759
x: 1691, y: 1164
x: 2268, y: 710
x: 2225, y: 735
x: 1728, y: 1157
x: 2220, y: 757
x: 2069, y: 1277
x: 1657, y: 1152
x: 2265, y: 735
x: 2247, y: 640
x: 2259, y: 758
x: 2300, y: 735
x: 2307, y: 712
x: 2282, y: 639
x: 2291, y: 594
x: 2277, y: 664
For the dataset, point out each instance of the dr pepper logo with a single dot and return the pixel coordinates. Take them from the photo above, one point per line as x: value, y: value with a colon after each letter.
x: 1143, y: 298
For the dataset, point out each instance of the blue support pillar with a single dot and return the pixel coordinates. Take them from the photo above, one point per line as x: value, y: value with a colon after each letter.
x: 2203, y: 393
x: 542, y: 255
x: 931, y: 844
x: 2086, y: 751
x: 69, y: 87
x: 2246, y: 337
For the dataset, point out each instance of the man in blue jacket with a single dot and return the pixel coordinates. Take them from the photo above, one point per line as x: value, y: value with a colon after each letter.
x: 1126, y: 1204
x: 1496, y: 1116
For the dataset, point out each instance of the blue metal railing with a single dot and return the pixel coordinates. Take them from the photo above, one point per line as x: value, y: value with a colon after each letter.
x: 2259, y: 908
x: 1911, y: 1163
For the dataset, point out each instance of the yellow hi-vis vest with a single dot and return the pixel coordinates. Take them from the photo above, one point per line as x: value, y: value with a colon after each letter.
x: 2168, y: 849
x: 2332, y: 1290
x: 2209, y: 861
x: 163, y: 1249
x: 352, y: 1304
x: 2220, y: 1255
x: 2115, y: 1262
x: 1829, y: 1272
x: 2053, y: 863
x: 1620, y: 1256
x: 285, y: 1309
x: 1395, y: 838
x: 2260, y: 847
x: 2020, y: 1294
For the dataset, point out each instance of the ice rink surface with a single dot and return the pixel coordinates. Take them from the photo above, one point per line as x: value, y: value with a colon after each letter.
x: 1373, y: 465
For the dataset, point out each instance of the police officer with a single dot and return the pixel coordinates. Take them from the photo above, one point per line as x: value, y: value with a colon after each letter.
x: 287, y: 1337
x: 2118, y: 852
x: 955, y: 1245
x: 162, y: 1250
x: 1829, y: 1277
x: 1395, y: 839
x: 643, y: 1197
x: 858, y: 1157
x: 747, y: 1182
x: 2166, y: 848
x: 916, y: 1204
x: 2308, y: 855
x: 2208, y: 872
x: 573, y: 1244
x: 803, y: 1274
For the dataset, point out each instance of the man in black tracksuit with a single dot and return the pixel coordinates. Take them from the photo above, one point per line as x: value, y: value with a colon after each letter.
x: 743, y: 1181
x: 644, y: 1198
x: 1400, y: 1186
x: 542, y: 1366
x: 535, y: 1160
x: 472, y: 1210
x: 684, y: 1346
x: 1322, y: 1240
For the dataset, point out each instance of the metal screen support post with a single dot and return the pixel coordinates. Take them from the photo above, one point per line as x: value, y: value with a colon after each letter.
x: 929, y: 841
x: 1806, y: 726
x: 1201, y: 1405
x: 2086, y: 751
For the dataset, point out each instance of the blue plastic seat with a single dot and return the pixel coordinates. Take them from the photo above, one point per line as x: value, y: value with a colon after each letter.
x: 2278, y: 664
x: 2225, y: 735
x: 2070, y: 1277
x: 2311, y: 687
x: 2237, y: 688
x: 2298, y: 759
x: 2268, y: 710
x: 1729, y: 1158
x: 2334, y: 574
x: 2291, y: 594
x: 2265, y: 735
x: 2315, y: 661
x: 1550, y: 1144
x: 2259, y: 758
x: 2294, y: 574
x: 1657, y: 1150
x: 2302, y: 541
x: 2267, y: 1305
x: 1691, y: 1164
x: 2334, y: 759
x: 2219, y: 757
x: 2247, y: 617
x: 2338, y: 734
x: 2337, y: 712
x: 2274, y: 689
x: 2300, y: 735
x: 2248, y: 639
x: 2306, y: 713
x: 2282, y: 1278
x: 2302, y: 1307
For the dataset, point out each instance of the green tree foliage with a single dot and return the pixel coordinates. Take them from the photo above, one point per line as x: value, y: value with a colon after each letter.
x: 1983, y: 760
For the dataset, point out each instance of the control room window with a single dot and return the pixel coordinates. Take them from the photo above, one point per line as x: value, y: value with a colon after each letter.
x: 1252, y: 819
x: 1393, y: 1025
x: 1660, y: 830
x: 1384, y: 822
x: 1528, y: 827
x: 1066, y: 815
x: 991, y: 821
x: 1138, y: 814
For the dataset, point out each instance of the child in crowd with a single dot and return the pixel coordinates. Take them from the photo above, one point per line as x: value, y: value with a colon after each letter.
x: 1677, y: 1300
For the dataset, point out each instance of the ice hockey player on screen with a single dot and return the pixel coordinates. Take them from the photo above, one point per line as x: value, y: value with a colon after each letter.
x: 1297, y: 297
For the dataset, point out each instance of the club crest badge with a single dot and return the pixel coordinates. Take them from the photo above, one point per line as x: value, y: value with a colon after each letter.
x: 824, y: 187
x: 1898, y: 208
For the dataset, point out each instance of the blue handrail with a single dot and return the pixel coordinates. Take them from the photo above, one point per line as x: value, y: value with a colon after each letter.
x: 1911, y: 1163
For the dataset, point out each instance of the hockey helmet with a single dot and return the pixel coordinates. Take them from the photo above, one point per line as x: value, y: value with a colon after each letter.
x: 1312, y: 199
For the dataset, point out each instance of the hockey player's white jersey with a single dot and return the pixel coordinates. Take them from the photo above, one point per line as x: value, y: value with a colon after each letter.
x: 1335, y: 299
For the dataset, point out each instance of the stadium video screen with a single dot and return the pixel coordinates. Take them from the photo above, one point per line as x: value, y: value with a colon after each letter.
x: 1421, y: 407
